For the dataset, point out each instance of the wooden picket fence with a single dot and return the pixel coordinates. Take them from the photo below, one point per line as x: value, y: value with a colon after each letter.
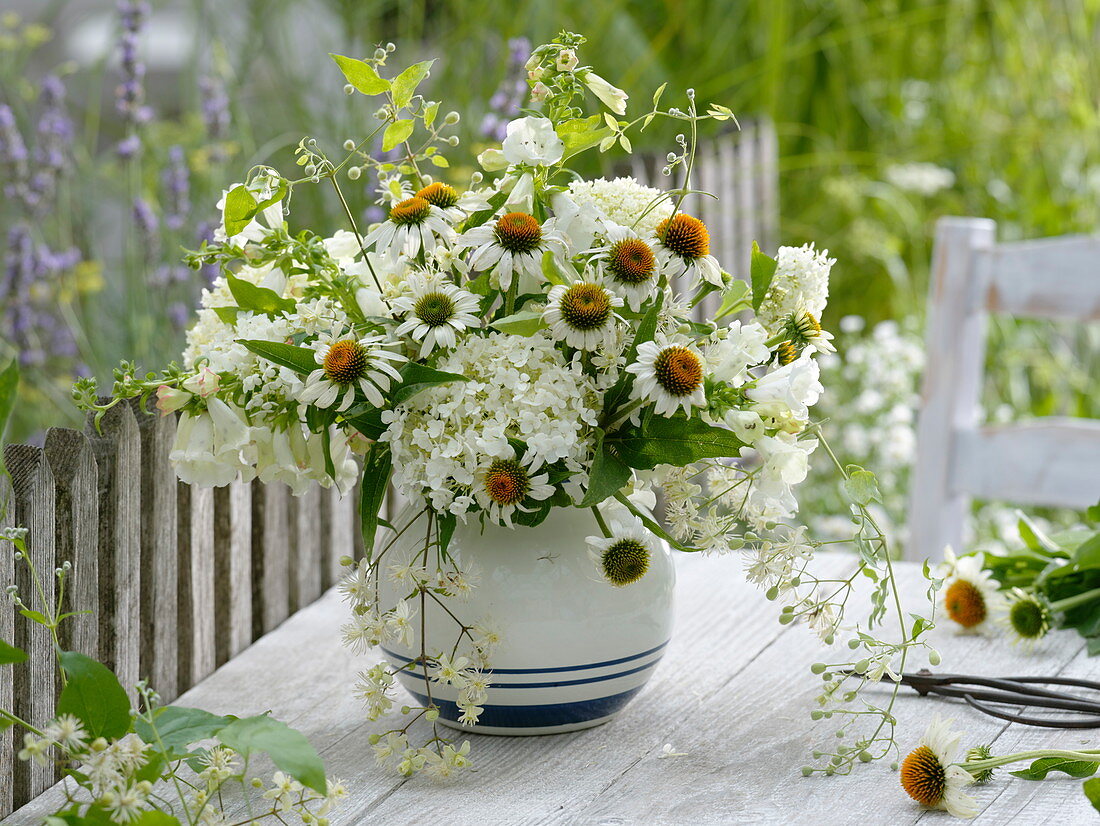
x: 179, y: 579
x: 176, y: 579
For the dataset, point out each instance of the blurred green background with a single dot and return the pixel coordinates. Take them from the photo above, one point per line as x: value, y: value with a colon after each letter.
x: 889, y: 114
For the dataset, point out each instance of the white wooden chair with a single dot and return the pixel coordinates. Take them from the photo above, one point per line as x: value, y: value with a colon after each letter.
x: 1048, y: 461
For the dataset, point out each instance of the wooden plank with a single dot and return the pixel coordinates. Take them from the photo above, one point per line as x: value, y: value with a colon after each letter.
x: 35, y: 685
x: 1046, y: 278
x: 1052, y: 461
x: 196, y: 584
x: 7, y: 633
x: 767, y: 206
x: 305, y: 549
x: 339, y: 524
x: 76, y: 522
x: 270, y: 556
x: 159, y: 603
x: 233, y: 569
x: 117, y: 449
x: 358, y: 551
x: 955, y: 347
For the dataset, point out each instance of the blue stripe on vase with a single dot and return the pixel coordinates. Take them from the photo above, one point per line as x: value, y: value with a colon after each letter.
x: 395, y: 656
x: 536, y: 716
x: 558, y: 684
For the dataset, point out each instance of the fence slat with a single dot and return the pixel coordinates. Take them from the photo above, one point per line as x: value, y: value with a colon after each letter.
x: 7, y: 633
x: 270, y: 556
x: 339, y: 518
x: 76, y: 514
x: 196, y: 584
x: 35, y: 685
x: 233, y: 581
x: 117, y: 449
x: 305, y: 550
x: 158, y: 603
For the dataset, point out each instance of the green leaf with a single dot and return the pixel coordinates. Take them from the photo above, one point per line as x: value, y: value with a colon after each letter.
x: 94, y: 696
x: 579, y: 134
x: 861, y: 486
x: 361, y: 75
x: 440, y: 161
x: 675, y: 441
x: 288, y: 749
x: 258, y: 299
x: 608, y: 476
x: 416, y: 377
x: 1045, y: 765
x: 445, y: 524
x: 9, y: 389
x: 154, y: 817
x: 299, y: 359
x: 240, y: 207
x: 430, y: 111
x: 523, y: 323
x: 178, y: 727
x: 1033, y: 535
x: 1087, y: 554
x: 228, y: 315
x: 1092, y: 513
x: 367, y: 420
x: 761, y: 270
x: 9, y: 654
x: 1091, y: 788
x: 734, y: 299
x: 404, y: 85
x: 377, y: 467
x: 397, y: 132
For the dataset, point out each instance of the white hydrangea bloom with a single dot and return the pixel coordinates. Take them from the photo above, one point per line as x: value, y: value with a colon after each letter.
x: 623, y: 200
x: 518, y: 387
x: 800, y: 284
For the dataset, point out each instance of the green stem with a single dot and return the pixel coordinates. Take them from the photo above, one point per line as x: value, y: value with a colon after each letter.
x: 1074, y: 601
x: 975, y: 766
x: 600, y: 521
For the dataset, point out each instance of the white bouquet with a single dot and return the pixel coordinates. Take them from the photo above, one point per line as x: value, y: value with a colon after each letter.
x: 524, y: 344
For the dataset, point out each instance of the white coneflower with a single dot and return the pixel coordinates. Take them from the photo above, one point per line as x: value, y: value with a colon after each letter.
x: 629, y: 264
x: 622, y: 558
x: 803, y: 330
x: 581, y: 314
x: 505, y: 485
x: 347, y: 365
x: 512, y: 245
x: 437, y: 310
x: 930, y: 776
x: 670, y: 374
x: 1025, y: 617
x: 970, y: 595
x: 454, y: 207
x: 413, y: 225
x: 683, y: 249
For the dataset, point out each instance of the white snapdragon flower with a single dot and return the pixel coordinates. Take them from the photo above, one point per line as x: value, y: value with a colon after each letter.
x: 736, y: 348
x: 343, y: 246
x: 579, y: 222
x: 612, y: 97
x: 213, y: 447
x: 788, y: 391
x: 532, y: 141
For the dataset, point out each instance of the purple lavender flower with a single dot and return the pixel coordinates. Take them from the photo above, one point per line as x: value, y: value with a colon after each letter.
x: 176, y: 181
x: 510, y: 96
x: 146, y: 222
x: 215, y: 108
x: 130, y: 93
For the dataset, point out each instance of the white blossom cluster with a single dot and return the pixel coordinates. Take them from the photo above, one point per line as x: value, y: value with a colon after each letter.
x: 517, y: 388
x: 624, y: 201
x: 800, y: 285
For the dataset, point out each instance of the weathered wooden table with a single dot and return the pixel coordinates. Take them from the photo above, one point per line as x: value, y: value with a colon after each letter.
x: 733, y: 694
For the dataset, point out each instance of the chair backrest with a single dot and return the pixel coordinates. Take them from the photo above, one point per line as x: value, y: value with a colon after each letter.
x: 1048, y: 461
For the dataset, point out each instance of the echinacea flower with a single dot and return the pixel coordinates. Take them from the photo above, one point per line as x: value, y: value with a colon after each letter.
x: 506, y: 485
x: 970, y: 595
x: 670, y: 374
x: 804, y: 331
x: 454, y: 207
x: 413, y: 224
x: 629, y: 264
x: 623, y: 558
x: 581, y: 314
x: 930, y: 775
x: 1025, y: 617
x: 436, y: 311
x: 512, y: 245
x: 347, y: 365
x: 683, y: 249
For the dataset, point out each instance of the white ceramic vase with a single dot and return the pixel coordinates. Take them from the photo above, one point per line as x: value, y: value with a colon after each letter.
x: 574, y: 649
